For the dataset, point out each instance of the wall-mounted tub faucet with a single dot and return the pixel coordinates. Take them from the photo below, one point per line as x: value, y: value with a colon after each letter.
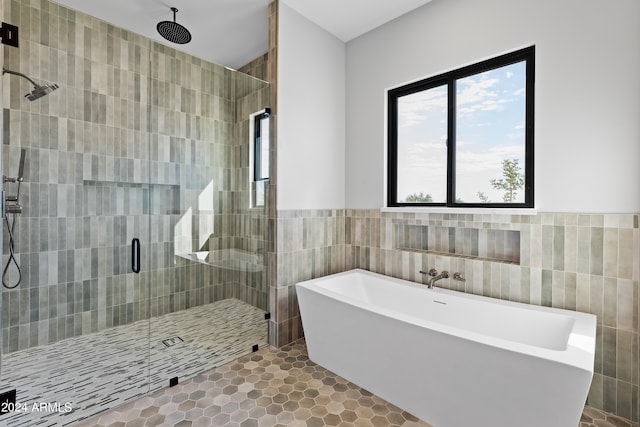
x: 11, y: 205
x: 435, y: 276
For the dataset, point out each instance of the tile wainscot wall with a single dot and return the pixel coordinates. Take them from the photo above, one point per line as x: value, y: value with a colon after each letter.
x: 584, y: 262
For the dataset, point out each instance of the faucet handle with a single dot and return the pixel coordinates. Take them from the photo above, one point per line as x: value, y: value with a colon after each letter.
x: 433, y: 272
x: 13, y: 209
x: 458, y: 277
x: 445, y: 274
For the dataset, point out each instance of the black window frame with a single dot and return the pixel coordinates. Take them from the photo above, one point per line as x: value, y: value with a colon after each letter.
x: 449, y: 78
x: 257, y: 145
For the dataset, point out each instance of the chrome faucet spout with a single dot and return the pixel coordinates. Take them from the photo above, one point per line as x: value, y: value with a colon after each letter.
x: 443, y: 275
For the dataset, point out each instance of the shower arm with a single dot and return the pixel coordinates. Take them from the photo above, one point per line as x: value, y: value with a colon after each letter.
x: 5, y: 71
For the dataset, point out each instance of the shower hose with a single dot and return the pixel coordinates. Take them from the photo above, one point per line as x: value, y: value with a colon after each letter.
x: 12, y: 256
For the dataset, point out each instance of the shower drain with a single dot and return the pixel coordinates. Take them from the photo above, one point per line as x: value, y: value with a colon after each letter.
x: 170, y: 342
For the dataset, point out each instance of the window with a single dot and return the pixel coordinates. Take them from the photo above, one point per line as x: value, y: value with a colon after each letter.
x: 464, y: 138
x: 259, y: 157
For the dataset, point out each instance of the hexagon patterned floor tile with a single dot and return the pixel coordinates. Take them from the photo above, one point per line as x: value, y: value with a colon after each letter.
x: 275, y: 388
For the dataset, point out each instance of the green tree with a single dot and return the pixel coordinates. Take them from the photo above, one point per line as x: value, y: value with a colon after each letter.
x: 419, y: 198
x: 511, y: 182
x: 483, y: 197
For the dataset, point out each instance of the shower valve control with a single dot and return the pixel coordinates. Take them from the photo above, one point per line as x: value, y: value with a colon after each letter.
x: 13, y: 209
x: 10, y: 204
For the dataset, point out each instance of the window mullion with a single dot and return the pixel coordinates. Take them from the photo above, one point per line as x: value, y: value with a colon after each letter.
x: 451, y: 140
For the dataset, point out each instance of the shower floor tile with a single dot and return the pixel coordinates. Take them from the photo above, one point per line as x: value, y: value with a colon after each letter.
x: 275, y: 388
x: 99, y: 371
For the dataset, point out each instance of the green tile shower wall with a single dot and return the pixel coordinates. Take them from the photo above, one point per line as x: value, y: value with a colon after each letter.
x: 585, y: 262
x: 100, y: 147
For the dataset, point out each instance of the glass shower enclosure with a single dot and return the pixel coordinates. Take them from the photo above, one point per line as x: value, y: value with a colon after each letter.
x: 141, y: 255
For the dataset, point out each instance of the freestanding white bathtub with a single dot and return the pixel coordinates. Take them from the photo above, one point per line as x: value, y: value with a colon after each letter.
x: 450, y: 358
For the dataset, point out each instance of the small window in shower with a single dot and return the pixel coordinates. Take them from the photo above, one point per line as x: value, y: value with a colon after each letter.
x: 259, y: 157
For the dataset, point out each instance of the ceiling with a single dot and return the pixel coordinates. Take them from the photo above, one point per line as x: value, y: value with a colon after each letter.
x: 234, y: 32
x: 348, y: 19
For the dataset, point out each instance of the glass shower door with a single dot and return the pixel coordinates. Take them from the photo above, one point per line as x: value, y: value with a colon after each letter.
x: 75, y: 325
x: 208, y: 278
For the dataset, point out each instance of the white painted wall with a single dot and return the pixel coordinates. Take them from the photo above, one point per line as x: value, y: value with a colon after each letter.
x: 311, y: 115
x: 587, y: 112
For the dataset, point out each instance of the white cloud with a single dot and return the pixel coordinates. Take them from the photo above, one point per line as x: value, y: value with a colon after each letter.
x: 476, y: 95
x: 423, y: 168
x: 416, y: 108
x: 486, y: 105
x: 418, y: 148
x: 476, y: 90
x: 490, y: 160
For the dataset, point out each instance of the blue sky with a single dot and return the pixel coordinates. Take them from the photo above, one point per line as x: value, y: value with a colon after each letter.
x: 490, y: 128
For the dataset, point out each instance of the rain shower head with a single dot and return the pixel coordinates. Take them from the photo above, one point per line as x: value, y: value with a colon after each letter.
x: 38, y: 90
x: 173, y: 31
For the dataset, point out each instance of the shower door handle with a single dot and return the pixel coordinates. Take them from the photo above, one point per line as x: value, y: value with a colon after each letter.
x: 135, y: 255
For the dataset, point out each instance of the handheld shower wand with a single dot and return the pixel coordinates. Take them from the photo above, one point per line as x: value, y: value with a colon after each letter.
x: 12, y: 206
x: 23, y: 153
